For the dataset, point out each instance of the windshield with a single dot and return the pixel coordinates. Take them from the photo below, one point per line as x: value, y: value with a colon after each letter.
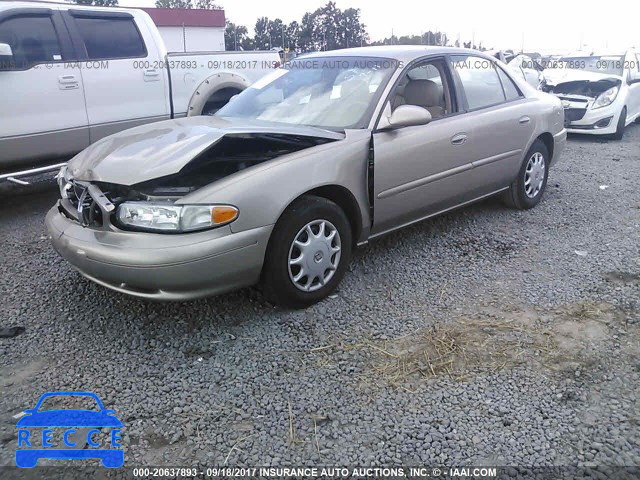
x: 611, y: 65
x: 327, y: 92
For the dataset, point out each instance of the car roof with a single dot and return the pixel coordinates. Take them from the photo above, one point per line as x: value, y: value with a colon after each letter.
x: 403, y: 53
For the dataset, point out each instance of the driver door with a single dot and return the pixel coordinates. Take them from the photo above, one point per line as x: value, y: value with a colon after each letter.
x: 417, y: 168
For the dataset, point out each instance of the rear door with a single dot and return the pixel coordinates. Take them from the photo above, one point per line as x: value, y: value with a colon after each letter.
x: 502, y: 118
x: 419, y: 170
x: 123, y: 72
x: 42, y: 100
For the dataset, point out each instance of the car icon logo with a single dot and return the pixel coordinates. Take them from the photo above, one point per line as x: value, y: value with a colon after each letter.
x: 36, y: 433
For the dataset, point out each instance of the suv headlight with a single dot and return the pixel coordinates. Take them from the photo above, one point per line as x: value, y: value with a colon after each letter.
x: 159, y: 217
x: 606, y: 98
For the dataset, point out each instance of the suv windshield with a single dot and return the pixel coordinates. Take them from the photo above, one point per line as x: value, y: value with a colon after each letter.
x: 611, y: 65
x: 326, y: 92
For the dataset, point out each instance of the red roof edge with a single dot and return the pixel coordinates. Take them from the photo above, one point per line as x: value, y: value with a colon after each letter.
x: 192, y: 17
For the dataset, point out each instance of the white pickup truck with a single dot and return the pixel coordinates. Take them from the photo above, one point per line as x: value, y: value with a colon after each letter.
x: 70, y: 75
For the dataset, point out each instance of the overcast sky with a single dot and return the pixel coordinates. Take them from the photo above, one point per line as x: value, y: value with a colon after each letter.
x: 542, y: 25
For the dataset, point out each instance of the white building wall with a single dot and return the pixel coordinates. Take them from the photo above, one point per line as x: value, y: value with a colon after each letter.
x: 197, y: 39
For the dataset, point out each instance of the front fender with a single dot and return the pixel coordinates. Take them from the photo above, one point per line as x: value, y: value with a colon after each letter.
x: 263, y: 192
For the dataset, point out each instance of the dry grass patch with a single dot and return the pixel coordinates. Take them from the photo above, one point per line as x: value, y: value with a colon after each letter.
x: 564, y: 339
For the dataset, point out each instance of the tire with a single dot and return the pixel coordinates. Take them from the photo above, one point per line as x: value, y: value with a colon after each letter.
x: 520, y: 194
x: 278, y: 275
x: 621, y: 124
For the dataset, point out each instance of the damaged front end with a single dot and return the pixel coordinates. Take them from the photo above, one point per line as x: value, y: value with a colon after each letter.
x: 159, y: 204
x: 580, y: 96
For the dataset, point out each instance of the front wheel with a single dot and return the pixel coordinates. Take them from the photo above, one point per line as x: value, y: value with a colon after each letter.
x: 308, y: 253
x: 526, y: 191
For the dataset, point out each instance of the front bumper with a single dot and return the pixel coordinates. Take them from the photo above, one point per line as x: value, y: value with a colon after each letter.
x: 601, y: 121
x: 161, y: 266
x: 559, y: 143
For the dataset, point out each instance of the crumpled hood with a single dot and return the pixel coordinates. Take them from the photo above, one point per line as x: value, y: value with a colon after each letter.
x: 164, y: 148
x: 555, y: 76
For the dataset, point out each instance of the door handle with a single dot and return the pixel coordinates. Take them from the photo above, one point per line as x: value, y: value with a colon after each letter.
x: 68, y: 82
x: 459, y: 139
x: 524, y: 120
x: 151, y: 75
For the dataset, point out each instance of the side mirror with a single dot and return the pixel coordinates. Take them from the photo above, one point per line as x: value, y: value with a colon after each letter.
x: 634, y: 77
x: 6, y: 57
x: 406, y: 116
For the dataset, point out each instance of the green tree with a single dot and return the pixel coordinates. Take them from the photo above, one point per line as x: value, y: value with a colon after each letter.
x: 234, y: 35
x: 248, y: 44
x: 173, y: 4
x: 261, y: 39
x: 292, y: 36
x: 207, y: 5
x: 276, y: 29
x: 352, y: 32
x: 306, y: 37
x: 327, y: 26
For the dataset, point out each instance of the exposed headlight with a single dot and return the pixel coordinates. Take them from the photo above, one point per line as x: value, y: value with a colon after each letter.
x: 64, y: 182
x: 158, y: 217
x: 606, y: 98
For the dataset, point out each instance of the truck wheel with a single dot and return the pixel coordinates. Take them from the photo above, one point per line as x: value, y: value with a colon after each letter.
x: 218, y: 100
x: 215, y: 92
x: 308, y: 253
x: 621, y: 125
x: 527, y: 189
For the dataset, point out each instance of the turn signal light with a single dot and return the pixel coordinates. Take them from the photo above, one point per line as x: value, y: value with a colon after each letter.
x: 223, y: 214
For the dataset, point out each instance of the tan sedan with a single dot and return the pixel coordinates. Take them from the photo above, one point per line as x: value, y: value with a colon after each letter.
x: 281, y: 184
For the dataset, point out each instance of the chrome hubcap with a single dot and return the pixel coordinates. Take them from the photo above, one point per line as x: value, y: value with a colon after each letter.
x: 314, y: 255
x: 534, y: 175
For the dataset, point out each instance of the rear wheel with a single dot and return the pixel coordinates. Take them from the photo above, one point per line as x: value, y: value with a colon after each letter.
x: 308, y: 253
x: 621, y: 124
x: 219, y: 99
x: 526, y: 191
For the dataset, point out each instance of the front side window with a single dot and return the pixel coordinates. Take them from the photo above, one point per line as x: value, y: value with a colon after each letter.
x: 327, y: 92
x: 425, y: 85
x: 106, y: 38
x: 479, y: 80
x: 33, y: 40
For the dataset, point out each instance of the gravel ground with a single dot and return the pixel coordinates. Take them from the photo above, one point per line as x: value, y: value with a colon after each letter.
x: 485, y: 337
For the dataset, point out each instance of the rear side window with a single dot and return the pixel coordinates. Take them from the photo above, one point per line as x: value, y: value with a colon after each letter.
x: 510, y: 89
x: 480, y: 81
x: 106, y: 38
x: 33, y: 40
